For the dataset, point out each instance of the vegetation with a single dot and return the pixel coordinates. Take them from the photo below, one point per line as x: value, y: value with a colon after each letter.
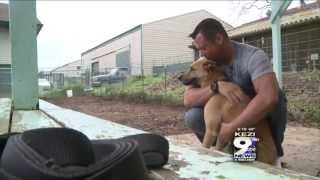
x: 303, y: 97
x: 147, y: 89
x: 305, y: 110
x: 77, y: 90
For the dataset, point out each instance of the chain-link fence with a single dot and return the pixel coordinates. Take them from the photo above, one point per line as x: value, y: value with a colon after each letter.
x: 300, y: 49
x: 300, y: 59
x: 300, y: 64
x: 301, y: 69
x: 161, y: 85
x: 66, y: 78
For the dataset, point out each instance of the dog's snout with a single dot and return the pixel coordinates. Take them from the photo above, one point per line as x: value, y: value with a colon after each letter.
x: 180, y: 75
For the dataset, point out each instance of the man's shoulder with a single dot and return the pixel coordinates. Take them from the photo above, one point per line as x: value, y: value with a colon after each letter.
x: 246, y: 53
x: 245, y: 50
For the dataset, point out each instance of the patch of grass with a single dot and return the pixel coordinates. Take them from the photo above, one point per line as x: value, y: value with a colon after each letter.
x: 305, y: 110
x: 149, y: 89
x: 303, y: 90
x: 77, y: 90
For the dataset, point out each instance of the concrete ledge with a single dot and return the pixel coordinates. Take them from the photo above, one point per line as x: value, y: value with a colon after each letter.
x: 5, y: 113
x: 26, y: 120
x: 93, y: 127
x: 185, y: 162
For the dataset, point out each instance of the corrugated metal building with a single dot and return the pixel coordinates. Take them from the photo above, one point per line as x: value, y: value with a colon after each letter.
x: 148, y: 46
x: 72, y: 69
x: 300, y: 37
x: 68, y: 74
x: 5, y: 54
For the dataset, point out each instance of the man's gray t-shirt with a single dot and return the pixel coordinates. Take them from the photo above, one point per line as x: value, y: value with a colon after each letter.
x: 249, y: 64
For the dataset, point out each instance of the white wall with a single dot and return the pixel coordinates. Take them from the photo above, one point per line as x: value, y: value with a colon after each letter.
x: 166, y: 41
x: 71, y: 70
x: 106, y: 61
x: 5, y: 57
x: 106, y: 54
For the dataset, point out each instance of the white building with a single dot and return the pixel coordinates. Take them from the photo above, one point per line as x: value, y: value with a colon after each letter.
x: 72, y: 69
x: 69, y: 74
x: 148, y: 46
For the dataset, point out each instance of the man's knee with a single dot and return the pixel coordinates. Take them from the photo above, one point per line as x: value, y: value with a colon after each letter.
x: 194, y: 119
x: 192, y: 116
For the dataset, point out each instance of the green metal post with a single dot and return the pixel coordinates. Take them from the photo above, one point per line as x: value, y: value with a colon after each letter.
x: 278, y: 8
x: 23, y: 31
x: 276, y: 45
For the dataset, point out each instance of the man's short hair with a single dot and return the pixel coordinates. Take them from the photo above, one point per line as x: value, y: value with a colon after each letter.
x: 209, y: 28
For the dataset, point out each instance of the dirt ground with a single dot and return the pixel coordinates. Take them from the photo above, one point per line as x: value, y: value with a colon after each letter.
x: 301, y: 144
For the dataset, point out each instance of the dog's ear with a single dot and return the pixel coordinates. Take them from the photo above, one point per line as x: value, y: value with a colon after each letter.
x: 209, y: 66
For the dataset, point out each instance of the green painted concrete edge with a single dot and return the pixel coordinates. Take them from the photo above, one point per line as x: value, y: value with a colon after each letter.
x: 27, y: 120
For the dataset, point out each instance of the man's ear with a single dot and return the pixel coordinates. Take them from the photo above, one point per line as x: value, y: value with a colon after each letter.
x: 219, y: 38
x: 209, y: 66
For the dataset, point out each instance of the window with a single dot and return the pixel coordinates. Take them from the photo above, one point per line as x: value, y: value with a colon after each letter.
x: 123, y: 60
x: 95, y: 68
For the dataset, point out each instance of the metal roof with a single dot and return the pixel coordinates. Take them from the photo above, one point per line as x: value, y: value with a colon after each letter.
x: 295, y: 16
x: 227, y: 26
x: 114, y: 38
x: 57, y: 68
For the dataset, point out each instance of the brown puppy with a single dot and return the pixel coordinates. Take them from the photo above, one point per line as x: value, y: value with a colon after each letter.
x: 218, y: 109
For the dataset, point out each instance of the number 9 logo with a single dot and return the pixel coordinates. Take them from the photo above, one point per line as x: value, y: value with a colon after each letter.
x: 242, y: 143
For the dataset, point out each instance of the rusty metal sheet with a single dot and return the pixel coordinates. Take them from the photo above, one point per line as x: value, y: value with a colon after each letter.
x: 5, y: 111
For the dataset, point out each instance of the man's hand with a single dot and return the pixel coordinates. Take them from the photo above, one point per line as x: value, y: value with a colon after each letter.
x: 196, y: 97
x: 225, y: 135
x: 231, y: 91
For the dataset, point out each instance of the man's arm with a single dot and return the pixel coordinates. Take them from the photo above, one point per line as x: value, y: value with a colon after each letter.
x: 267, y: 96
x: 266, y: 87
x: 194, y: 97
x: 257, y: 109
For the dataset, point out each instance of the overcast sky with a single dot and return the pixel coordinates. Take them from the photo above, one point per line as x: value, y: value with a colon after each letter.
x: 71, y: 27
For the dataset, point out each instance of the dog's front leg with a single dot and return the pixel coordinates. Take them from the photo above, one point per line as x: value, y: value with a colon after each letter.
x: 212, y: 117
x: 210, y: 138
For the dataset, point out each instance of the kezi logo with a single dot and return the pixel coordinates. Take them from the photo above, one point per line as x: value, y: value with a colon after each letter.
x: 245, y: 142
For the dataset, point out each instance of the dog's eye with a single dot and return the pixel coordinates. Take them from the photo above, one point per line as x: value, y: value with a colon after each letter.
x: 191, y: 69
